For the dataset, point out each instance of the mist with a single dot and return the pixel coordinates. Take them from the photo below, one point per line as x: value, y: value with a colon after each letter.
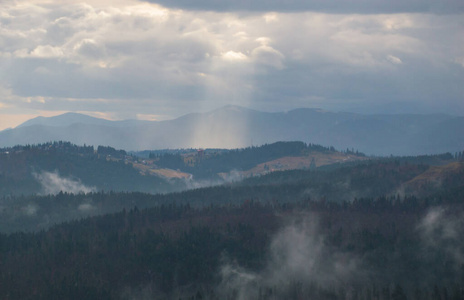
x: 441, y: 231
x: 52, y: 183
x: 299, y: 259
x: 231, y: 177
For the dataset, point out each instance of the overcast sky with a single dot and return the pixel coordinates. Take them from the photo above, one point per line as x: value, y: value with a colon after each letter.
x: 159, y: 60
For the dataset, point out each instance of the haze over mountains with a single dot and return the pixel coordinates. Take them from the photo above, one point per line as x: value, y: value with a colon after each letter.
x: 235, y: 127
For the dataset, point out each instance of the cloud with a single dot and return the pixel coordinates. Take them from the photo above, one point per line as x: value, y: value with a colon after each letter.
x: 53, y: 183
x: 46, y: 51
x: 357, y: 6
x: 132, y: 58
x: 269, y: 56
x: 394, y: 60
x: 234, y: 56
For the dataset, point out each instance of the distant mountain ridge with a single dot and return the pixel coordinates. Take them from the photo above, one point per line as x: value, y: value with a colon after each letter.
x: 70, y: 118
x: 237, y: 127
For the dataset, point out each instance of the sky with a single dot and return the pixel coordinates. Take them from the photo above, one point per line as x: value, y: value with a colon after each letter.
x: 158, y: 60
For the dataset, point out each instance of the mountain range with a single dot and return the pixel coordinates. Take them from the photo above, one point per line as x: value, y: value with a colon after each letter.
x: 236, y: 127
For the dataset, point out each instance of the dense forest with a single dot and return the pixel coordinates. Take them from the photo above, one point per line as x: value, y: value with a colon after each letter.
x: 382, y: 248
x: 378, y: 228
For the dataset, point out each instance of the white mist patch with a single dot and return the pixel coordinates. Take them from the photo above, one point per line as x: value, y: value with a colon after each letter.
x: 86, y: 207
x: 239, y: 282
x: 441, y: 231
x: 30, y: 209
x: 192, y: 184
x: 231, y: 177
x: 53, y: 183
x: 296, y: 250
x: 298, y: 255
x: 299, y: 251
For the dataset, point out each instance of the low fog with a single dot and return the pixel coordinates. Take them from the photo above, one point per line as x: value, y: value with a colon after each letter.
x: 441, y: 230
x: 298, y: 259
x: 301, y: 260
x: 52, y: 183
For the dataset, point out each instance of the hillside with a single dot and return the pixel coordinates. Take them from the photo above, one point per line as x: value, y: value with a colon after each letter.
x: 348, y: 183
x: 324, y: 232
x: 252, y: 161
x: 436, y: 177
x: 61, y: 166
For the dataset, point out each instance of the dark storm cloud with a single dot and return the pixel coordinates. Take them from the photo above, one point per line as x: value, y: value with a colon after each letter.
x: 338, y: 7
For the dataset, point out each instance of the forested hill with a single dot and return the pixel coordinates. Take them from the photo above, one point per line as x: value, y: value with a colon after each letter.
x: 62, y: 166
x: 369, y: 180
x: 251, y: 161
x: 375, y: 229
x: 384, y: 248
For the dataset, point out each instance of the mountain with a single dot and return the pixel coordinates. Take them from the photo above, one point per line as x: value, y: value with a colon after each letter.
x: 236, y: 127
x: 70, y: 118
x: 66, y: 119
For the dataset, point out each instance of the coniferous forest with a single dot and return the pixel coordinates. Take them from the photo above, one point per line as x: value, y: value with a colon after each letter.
x: 378, y: 228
